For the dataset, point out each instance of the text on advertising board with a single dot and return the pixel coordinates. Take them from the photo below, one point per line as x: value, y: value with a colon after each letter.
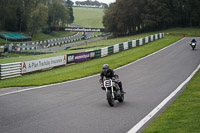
x: 35, y: 65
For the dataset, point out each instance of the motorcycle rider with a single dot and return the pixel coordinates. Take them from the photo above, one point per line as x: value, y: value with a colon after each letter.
x: 108, y: 73
x: 193, y: 41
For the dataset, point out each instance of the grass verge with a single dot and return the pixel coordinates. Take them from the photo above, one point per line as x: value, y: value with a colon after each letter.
x: 90, y: 67
x: 183, y: 115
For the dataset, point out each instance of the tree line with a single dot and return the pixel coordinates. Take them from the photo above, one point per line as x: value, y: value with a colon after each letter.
x: 125, y: 17
x: 33, y: 15
x: 91, y: 3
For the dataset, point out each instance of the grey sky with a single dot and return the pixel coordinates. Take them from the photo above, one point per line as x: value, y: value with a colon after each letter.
x: 104, y: 1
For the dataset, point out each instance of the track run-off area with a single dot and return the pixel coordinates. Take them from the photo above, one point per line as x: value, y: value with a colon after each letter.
x: 80, y: 106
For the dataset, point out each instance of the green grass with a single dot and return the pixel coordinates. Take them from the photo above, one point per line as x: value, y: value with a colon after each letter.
x: 2, y: 42
x: 14, y: 55
x: 187, y: 31
x: 109, y: 42
x: 41, y: 36
x: 89, y: 46
x: 183, y: 116
x: 103, y: 43
x: 91, y: 67
x: 97, y: 33
x: 88, y: 17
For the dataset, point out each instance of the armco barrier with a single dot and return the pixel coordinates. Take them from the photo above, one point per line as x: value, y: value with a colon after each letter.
x: 146, y: 39
x: 98, y: 53
x: 104, y: 51
x: 137, y: 43
x: 16, y: 69
x: 133, y: 43
x: 129, y: 45
x: 40, y: 44
x: 121, y: 47
x: 141, y: 41
x: 126, y: 45
x: 110, y: 50
x: 116, y: 48
x: 10, y: 70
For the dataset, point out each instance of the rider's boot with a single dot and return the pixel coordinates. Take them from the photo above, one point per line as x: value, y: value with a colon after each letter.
x: 121, y: 89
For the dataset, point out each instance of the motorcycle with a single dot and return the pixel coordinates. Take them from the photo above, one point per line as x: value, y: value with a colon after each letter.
x: 193, y: 45
x: 112, y: 91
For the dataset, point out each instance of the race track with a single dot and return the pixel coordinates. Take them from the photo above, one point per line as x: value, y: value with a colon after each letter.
x: 81, y: 106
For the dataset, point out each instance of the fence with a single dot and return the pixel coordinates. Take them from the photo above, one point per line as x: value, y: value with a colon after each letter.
x: 45, y: 44
x: 19, y: 68
x: 10, y: 70
x: 126, y: 45
x: 41, y: 44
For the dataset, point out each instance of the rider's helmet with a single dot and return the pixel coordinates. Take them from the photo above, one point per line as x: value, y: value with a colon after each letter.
x: 193, y: 41
x: 105, y: 67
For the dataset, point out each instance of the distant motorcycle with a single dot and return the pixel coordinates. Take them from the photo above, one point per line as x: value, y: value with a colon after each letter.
x: 193, y: 45
x: 112, y: 91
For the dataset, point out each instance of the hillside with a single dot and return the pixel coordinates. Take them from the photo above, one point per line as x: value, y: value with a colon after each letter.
x: 88, y: 17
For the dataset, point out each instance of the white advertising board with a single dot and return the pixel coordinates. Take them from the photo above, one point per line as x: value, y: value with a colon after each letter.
x: 35, y: 65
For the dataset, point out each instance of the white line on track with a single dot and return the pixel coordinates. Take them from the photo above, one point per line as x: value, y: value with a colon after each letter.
x: 141, y: 123
x: 34, y: 88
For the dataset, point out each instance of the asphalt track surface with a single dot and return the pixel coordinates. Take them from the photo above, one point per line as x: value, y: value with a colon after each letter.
x: 81, y: 107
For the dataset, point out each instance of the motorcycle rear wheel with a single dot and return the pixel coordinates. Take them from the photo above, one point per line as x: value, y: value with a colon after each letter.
x: 121, y: 99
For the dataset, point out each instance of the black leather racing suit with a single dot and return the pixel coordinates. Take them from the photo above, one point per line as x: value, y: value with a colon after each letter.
x: 110, y: 74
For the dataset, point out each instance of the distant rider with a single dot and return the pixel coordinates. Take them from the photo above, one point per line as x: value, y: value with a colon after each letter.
x: 193, y: 41
x: 108, y: 73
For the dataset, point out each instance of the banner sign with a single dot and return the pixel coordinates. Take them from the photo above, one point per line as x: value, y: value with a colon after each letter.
x: 92, y: 54
x: 77, y: 29
x: 80, y: 57
x: 70, y: 58
x: 35, y: 65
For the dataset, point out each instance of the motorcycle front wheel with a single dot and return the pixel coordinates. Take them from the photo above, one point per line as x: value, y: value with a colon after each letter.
x: 110, y: 98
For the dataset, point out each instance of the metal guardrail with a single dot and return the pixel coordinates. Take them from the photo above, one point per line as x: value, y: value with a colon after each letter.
x: 17, y: 69
x: 10, y: 70
x: 40, y: 44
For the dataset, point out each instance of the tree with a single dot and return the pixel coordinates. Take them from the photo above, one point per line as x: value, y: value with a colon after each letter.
x: 19, y: 15
x: 124, y: 17
x: 38, y: 18
x: 69, y: 5
x: 58, y: 14
x: 109, y: 19
x: 131, y: 16
x: 157, y: 15
x: 91, y: 3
